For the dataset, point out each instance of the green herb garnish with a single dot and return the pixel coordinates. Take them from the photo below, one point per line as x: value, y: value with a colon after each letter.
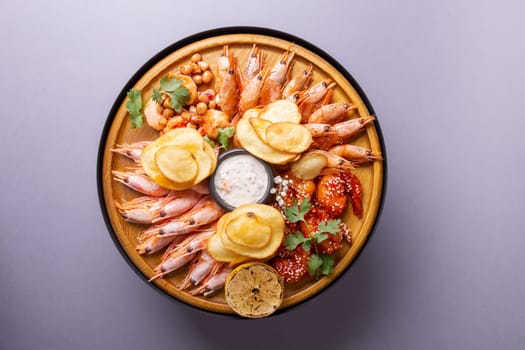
x: 318, y: 264
x: 179, y: 95
x: 224, y: 136
x: 134, y: 107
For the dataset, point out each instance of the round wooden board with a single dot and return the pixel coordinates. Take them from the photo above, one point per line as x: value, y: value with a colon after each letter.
x: 118, y: 131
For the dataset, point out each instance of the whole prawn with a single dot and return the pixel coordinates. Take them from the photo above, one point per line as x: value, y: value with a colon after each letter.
x: 226, y: 83
x: 273, y: 84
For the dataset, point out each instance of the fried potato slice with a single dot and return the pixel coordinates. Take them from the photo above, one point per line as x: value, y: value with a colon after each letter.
x: 266, y: 214
x: 247, y: 231
x: 219, y: 253
x: 177, y: 164
x: 259, y: 126
x: 281, y: 111
x: 205, y: 164
x: 288, y: 137
x: 187, y: 138
x: 249, y: 140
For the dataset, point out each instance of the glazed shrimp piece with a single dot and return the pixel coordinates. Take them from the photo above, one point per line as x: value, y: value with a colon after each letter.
x: 251, y: 92
x: 142, y: 210
x: 299, y: 82
x: 204, y: 212
x: 333, y: 189
x: 226, y: 83
x: 140, y: 183
x: 199, y: 269
x: 355, y: 153
x: 177, y: 204
x: 214, y: 281
x: 131, y: 150
x: 153, y: 114
x: 273, y: 84
x: 331, y: 113
x: 180, y: 253
x: 152, y: 243
x: 316, y: 96
x: 254, y: 65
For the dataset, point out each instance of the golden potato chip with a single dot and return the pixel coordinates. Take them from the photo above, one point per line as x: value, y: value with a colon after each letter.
x: 249, y: 140
x: 247, y: 231
x: 177, y: 164
x: 260, y: 126
x: 281, y: 111
x: 288, y: 137
x: 309, y: 166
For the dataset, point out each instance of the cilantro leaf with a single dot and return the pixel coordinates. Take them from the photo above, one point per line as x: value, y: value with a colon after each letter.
x: 210, y: 141
x: 169, y: 85
x: 296, y: 213
x: 134, y: 106
x: 157, y: 97
x: 224, y: 136
x: 329, y: 226
x: 314, y: 263
x: 307, y: 244
x: 293, y: 240
x: 328, y: 264
x: 319, y: 237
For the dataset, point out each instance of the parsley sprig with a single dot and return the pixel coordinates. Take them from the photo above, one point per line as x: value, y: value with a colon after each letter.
x: 224, y: 136
x: 179, y: 95
x: 318, y: 264
x: 134, y: 107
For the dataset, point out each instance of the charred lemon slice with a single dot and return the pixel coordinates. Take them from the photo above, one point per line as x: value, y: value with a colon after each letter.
x: 254, y: 290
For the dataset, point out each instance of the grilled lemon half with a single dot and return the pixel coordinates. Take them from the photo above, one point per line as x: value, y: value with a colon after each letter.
x: 254, y: 290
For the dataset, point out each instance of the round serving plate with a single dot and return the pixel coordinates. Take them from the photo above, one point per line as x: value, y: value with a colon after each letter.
x: 209, y: 44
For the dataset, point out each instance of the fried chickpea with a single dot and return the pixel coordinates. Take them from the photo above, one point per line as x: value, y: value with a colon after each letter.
x: 197, y: 78
x: 212, y: 104
x: 168, y: 113
x: 201, y: 108
x: 185, y: 69
x: 207, y: 76
x: 203, y: 65
x: 196, y: 57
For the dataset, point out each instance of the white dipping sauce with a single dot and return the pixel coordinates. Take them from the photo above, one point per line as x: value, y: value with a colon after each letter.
x: 241, y: 179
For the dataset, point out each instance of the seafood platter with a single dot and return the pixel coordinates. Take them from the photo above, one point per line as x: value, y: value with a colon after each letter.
x: 241, y: 172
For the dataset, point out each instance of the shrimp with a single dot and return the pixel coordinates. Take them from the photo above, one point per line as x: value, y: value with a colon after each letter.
x: 152, y: 244
x: 199, y: 269
x: 180, y: 253
x: 273, y: 84
x: 214, y: 281
x: 204, y: 212
x: 201, y: 187
x: 326, y: 135
x: 299, y: 82
x: 333, y: 161
x: 331, y: 113
x: 333, y: 189
x: 132, y: 150
x: 355, y: 153
x: 178, y: 203
x: 226, y: 83
x: 142, y: 210
x: 253, y: 66
x: 251, y: 92
x: 140, y: 183
x: 315, y: 97
x: 153, y: 114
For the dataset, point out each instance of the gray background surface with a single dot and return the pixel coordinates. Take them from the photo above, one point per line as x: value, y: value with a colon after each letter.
x: 445, y: 267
